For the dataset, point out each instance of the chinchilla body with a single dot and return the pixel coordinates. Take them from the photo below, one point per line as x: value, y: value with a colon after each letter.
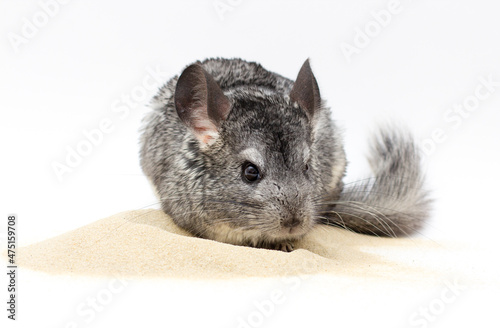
x: 245, y: 156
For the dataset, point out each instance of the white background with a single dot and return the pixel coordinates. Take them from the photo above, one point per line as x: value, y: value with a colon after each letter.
x: 76, y: 68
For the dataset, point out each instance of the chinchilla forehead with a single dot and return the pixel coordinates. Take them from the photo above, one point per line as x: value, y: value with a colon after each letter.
x: 270, y: 125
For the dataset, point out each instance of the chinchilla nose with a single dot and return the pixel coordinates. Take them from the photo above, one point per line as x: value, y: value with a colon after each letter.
x: 291, y: 222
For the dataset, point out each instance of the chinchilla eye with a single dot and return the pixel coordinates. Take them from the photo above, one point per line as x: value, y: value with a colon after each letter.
x: 306, y: 167
x: 250, y: 172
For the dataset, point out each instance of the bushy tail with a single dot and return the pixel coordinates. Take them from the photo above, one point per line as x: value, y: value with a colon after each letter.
x: 393, y: 203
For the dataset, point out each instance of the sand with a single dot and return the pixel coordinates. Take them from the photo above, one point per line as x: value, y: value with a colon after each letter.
x: 146, y: 243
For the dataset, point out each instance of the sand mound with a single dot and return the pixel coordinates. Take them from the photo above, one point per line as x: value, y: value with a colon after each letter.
x: 146, y: 243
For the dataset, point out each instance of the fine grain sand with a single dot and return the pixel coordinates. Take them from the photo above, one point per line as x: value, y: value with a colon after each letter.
x: 146, y: 243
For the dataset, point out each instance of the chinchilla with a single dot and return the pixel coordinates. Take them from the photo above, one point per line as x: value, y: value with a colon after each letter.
x: 245, y: 156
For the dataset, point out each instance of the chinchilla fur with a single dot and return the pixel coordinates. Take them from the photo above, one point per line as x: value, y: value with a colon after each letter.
x: 245, y: 156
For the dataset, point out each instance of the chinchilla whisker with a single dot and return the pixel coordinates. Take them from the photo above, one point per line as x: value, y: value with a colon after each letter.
x: 333, y: 223
x: 359, y: 207
x: 328, y: 222
x: 385, y: 233
x: 372, y: 232
x: 381, y: 219
x: 340, y: 217
x: 151, y: 204
x: 383, y: 215
x: 348, y: 203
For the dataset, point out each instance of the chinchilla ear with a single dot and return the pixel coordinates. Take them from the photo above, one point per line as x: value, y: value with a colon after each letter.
x: 305, y: 91
x: 200, y: 103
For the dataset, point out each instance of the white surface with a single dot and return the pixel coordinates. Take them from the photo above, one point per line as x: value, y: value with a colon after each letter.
x: 75, y: 70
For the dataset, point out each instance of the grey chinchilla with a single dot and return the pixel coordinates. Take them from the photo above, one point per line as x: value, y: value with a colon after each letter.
x: 245, y: 156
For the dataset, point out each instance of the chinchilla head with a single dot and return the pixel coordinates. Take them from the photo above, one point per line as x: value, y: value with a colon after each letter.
x: 256, y: 158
